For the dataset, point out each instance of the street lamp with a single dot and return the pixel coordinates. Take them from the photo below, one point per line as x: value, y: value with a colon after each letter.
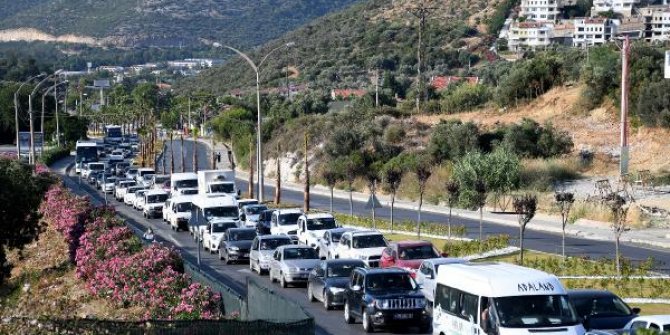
x: 259, y: 148
x: 31, y: 157
x: 16, y: 111
x: 54, y: 88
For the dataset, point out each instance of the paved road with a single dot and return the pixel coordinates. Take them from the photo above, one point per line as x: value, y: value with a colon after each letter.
x: 234, y: 276
x: 536, y: 240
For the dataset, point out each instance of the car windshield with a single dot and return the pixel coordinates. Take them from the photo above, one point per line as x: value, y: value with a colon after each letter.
x: 140, y: 194
x: 535, y: 311
x: 127, y: 183
x: 273, y: 243
x: 152, y: 199
x: 243, y: 203
x: 321, y: 224
x: 417, y: 252
x: 222, y: 227
x: 184, y: 207
x: 96, y: 167
x: 133, y: 190
x: 288, y: 219
x: 147, y: 176
x: 300, y: 253
x: 188, y: 183
x: 242, y: 235
x: 254, y: 210
x: 609, y: 305
x: 341, y: 270
x: 221, y: 212
x: 222, y: 188
x: 369, y: 241
x: 189, y: 192
x: 335, y: 236
x: 110, y: 180
x: 160, y: 180
x: 132, y: 171
x: 390, y: 281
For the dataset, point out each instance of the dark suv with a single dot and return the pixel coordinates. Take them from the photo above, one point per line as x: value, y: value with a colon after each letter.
x: 601, y: 309
x: 263, y: 224
x: 383, y: 297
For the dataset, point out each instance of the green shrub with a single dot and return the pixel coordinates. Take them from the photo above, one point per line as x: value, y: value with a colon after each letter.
x: 465, y: 98
x: 452, y: 140
x: 529, y: 139
x: 50, y: 156
x: 465, y: 248
x: 429, y: 228
x: 542, y: 175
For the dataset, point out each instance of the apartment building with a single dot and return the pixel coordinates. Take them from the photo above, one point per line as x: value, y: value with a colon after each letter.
x: 657, y: 20
x: 529, y: 35
x: 541, y: 10
x: 592, y: 31
x: 623, y: 7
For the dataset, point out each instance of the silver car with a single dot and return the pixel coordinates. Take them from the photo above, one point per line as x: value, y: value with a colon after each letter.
x: 262, y: 250
x: 329, y: 241
x: 291, y: 264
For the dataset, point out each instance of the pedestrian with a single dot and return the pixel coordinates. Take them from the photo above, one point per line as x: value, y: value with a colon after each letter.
x: 148, y: 235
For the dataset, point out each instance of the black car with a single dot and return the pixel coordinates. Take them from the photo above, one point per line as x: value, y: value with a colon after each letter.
x: 120, y: 169
x: 263, y: 225
x: 384, y: 297
x: 329, y: 279
x: 236, y: 244
x: 601, y: 309
x: 93, y: 177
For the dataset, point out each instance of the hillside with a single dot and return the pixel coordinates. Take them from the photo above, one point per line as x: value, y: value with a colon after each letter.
x: 344, y: 48
x: 166, y: 22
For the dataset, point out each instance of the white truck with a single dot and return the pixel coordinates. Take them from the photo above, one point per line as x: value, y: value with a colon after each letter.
x: 217, y: 182
x: 179, y: 181
x: 211, y: 217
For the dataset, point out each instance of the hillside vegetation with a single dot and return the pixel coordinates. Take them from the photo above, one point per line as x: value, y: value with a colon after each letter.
x: 166, y: 22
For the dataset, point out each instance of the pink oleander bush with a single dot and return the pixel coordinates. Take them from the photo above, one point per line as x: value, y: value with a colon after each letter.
x: 113, y: 264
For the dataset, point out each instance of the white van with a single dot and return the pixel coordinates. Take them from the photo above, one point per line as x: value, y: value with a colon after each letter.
x: 183, y: 180
x: 501, y: 299
x: 211, y: 217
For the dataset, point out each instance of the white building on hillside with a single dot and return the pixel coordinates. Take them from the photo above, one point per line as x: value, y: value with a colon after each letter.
x: 623, y: 7
x: 529, y: 35
x: 541, y: 10
x: 658, y: 20
x: 592, y: 31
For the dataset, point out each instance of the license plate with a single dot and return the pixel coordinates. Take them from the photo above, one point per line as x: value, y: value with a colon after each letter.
x: 246, y: 255
x: 403, y: 316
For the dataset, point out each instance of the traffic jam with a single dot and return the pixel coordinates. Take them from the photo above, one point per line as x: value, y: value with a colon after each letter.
x: 358, y: 272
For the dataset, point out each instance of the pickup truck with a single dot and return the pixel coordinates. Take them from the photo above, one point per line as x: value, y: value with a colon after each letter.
x: 312, y: 226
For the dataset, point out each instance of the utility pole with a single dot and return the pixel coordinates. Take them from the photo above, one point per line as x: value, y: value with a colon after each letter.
x: 625, y: 55
x: 278, y: 185
x: 306, y: 192
x: 420, y: 12
x: 377, y: 87
x: 181, y: 150
x: 56, y: 111
x: 251, y: 169
x: 189, y: 116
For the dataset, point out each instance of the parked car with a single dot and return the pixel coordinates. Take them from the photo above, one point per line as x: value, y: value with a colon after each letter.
x: 236, y: 244
x: 291, y: 264
x: 154, y: 200
x: 601, y: 309
x: 408, y: 255
x: 250, y: 213
x: 329, y: 242
x: 311, y: 227
x: 385, y: 297
x: 263, y: 225
x: 366, y: 245
x: 262, y: 249
x: 657, y: 323
x: 427, y: 275
x: 328, y: 280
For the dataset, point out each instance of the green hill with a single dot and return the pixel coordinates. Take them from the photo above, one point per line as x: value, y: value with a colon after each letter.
x: 344, y: 49
x: 167, y: 22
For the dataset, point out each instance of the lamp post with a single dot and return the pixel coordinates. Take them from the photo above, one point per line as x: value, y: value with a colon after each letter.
x: 16, y: 111
x: 259, y: 148
x: 31, y: 156
x: 54, y: 88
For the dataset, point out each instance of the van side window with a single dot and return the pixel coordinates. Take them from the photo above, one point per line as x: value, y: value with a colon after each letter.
x: 456, y: 302
x: 468, y: 306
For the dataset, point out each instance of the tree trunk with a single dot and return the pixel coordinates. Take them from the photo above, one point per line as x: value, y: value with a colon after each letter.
x: 331, y: 199
x: 171, y: 153
x: 195, y: 153
x: 278, y: 184
x: 306, y: 191
x: 181, y: 150
x: 449, y: 223
x: 522, y: 230
x: 251, y: 171
x: 617, y: 239
x: 563, y: 237
x: 392, y: 207
x: 481, y: 230
x: 351, y: 200
x: 418, y: 217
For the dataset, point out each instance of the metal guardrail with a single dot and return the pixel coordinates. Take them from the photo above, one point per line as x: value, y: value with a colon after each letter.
x: 232, y: 303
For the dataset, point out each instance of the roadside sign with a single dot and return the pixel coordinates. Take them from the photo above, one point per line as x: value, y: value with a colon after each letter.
x: 373, y: 202
x: 24, y: 142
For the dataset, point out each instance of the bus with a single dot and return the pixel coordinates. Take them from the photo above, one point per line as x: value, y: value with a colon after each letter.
x: 113, y: 134
x: 86, y: 152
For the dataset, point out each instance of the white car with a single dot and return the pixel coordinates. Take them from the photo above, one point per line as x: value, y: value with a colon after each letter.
x: 658, y: 323
x: 364, y: 245
x: 167, y: 210
x: 122, y: 187
x: 427, y: 274
x: 180, y: 212
x: 116, y: 155
x: 211, y: 237
x: 145, y: 180
x: 107, y: 186
x: 312, y: 226
x: 153, y: 203
x: 250, y: 213
x: 244, y: 202
x: 93, y: 167
x: 158, y: 181
x: 329, y: 242
x: 262, y: 249
x: 138, y: 203
x: 285, y: 222
x: 129, y: 196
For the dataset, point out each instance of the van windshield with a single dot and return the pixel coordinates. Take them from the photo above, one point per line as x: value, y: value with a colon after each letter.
x: 184, y: 207
x: 321, y: 224
x: 221, y: 212
x: 289, y: 219
x: 156, y: 198
x: 188, y: 183
x: 535, y: 311
x: 222, y: 188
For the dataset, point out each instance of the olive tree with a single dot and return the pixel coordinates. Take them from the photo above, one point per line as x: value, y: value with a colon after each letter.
x: 331, y: 174
x: 525, y: 207
x: 453, y: 192
x: 422, y: 167
x: 564, y: 201
x: 619, y: 207
x: 392, y: 175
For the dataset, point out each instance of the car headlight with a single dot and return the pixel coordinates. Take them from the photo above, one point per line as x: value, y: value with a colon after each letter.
x: 234, y: 248
x: 293, y: 270
x: 420, y: 302
x: 381, y: 303
x: 336, y: 290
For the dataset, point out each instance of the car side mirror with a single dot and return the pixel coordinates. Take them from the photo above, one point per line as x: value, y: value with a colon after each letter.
x: 356, y: 288
x: 444, y: 254
x: 636, y: 310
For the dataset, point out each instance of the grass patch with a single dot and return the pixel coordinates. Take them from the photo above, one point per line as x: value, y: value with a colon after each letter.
x: 653, y: 309
x: 542, y: 174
